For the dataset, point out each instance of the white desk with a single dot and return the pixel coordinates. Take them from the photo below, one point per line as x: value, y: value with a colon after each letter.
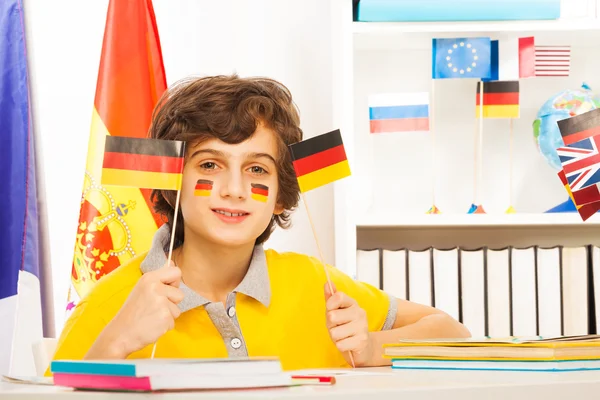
x: 374, y: 384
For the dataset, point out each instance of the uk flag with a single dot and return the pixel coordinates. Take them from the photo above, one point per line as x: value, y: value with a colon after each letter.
x: 581, y: 162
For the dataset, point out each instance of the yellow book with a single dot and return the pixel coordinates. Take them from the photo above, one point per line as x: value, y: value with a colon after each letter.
x: 582, y: 347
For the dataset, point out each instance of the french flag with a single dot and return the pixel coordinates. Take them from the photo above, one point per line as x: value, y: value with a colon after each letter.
x: 399, y: 112
x: 20, y: 293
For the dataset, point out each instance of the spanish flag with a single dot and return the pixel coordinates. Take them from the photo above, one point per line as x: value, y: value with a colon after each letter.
x: 143, y: 163
x: 500, y: 99
x: 320, y: 160
x: 586, y: 210
x: 115, y: 222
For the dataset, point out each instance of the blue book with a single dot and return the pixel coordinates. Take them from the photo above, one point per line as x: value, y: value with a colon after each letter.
x: 457, y: 10
x: 498, y: 365
x: 162, y: 366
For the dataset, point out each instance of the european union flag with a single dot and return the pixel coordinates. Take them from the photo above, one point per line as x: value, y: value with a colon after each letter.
x: 461, y: 58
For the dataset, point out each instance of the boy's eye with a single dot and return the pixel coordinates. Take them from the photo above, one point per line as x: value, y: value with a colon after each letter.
x: 208, y: 165
x: 257, y: 170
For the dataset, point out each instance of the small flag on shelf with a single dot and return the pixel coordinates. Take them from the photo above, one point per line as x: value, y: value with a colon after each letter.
x: 320, y: 160
x: 552, y: 60
x: 500, y: 99
x: 143, y: 163
x: 461, y: 58
x: 580, y: 127
x: 581, y: 163
x: 512, y: 59
x: 585, y: 211
x: 399, y: 112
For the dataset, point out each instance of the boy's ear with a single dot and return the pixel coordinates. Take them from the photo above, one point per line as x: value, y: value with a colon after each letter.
x: 278, y: 209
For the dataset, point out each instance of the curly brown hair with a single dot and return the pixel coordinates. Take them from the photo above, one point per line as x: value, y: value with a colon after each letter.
x: 229, y: 108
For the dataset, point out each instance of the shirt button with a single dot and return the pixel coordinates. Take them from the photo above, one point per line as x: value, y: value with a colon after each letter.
x: 236, y: 343
x: 231, y: 311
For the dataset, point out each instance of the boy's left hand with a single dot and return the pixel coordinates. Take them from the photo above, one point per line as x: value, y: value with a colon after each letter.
x: 348, y: 327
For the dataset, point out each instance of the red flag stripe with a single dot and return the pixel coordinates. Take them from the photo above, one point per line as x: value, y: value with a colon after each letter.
x: 143, y: 162
x: 320, y: 160
x: 498, y: 99
x: 260, y: 191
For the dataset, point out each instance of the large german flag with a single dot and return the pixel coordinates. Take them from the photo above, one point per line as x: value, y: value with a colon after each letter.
x: 117, y: 223
x: 580, y: 127
x: 500, y: 99
x: 320, y: 160
x: 143, y: 163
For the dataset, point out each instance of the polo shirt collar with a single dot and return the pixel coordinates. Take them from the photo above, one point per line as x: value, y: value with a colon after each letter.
x: 255, y: 284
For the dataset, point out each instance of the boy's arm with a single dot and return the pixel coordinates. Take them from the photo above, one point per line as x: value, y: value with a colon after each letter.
x: 414, y: 321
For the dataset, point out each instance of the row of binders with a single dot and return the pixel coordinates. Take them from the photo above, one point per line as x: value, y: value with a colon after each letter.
x: 497, y: 293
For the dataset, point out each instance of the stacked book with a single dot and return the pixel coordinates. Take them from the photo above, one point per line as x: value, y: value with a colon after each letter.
x: 170, y: 374
x: 563, y: 353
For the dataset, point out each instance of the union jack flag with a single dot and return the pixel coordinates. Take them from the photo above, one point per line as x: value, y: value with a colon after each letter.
x: 581, y: 162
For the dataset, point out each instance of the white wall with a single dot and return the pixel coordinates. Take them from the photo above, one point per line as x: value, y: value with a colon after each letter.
x: 284, y: 39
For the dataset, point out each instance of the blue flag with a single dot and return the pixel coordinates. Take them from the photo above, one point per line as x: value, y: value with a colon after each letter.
x: 461, y: 58
x: 19, y: 265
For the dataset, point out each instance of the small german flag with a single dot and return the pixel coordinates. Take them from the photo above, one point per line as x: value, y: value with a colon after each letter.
x: 260, y: 192
x: 203, y: 187
x: 500, y: 99
x: 580, y: 127
x: 143, y: 163
x: 320, y: 160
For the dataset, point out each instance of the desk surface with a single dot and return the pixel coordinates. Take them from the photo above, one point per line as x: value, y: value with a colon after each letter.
x: 381, y: 382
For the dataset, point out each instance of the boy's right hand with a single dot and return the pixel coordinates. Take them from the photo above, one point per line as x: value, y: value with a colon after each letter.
x: 147, y: 314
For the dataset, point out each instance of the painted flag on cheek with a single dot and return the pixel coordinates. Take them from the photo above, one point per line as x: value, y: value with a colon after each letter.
x: 203, y: 188
x: 260, y: 192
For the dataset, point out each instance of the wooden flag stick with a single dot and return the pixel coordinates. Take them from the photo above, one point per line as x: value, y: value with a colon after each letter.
x: 170, y: 247
x: 510, y: 173
x: 432, y: 130
x: 480, y: 136
x: 312, y: 225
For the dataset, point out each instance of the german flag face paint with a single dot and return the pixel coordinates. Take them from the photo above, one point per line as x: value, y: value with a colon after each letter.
x: 203, y: 187
x: 260, y: 192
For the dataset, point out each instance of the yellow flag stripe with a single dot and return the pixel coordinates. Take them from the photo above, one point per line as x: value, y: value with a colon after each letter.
x: 324, y: 176
x: 499, y: 111
x: 141, y: 179
x: 201, y: 192
x: 259, y: 197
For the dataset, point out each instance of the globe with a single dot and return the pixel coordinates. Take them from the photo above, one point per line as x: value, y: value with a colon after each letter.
x: 562, y: 105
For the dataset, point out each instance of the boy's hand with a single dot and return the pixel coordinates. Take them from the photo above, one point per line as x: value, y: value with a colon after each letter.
x: 147, y: 314
x: 348, y: 327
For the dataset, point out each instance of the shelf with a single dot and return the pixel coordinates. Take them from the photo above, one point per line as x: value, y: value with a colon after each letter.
x: 418, y: 35
x: 475, y: 26
x: 473, y: 220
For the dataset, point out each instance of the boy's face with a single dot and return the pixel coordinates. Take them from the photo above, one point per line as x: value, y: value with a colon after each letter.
x: 229, y: 191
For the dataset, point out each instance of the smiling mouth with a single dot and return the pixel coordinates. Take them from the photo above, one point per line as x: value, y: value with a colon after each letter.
x: 231, y: 214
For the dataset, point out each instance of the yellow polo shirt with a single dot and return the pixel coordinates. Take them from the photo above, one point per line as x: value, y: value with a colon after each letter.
x: 277, y: 310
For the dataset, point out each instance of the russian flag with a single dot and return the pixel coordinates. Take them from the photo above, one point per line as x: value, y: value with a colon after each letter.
x: 399, y: 112
x: 20, y: 295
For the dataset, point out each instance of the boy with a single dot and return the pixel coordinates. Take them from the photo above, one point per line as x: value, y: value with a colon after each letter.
x: 227, y: 296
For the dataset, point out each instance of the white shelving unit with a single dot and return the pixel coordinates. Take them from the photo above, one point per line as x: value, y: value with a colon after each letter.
x: 390, y: 188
